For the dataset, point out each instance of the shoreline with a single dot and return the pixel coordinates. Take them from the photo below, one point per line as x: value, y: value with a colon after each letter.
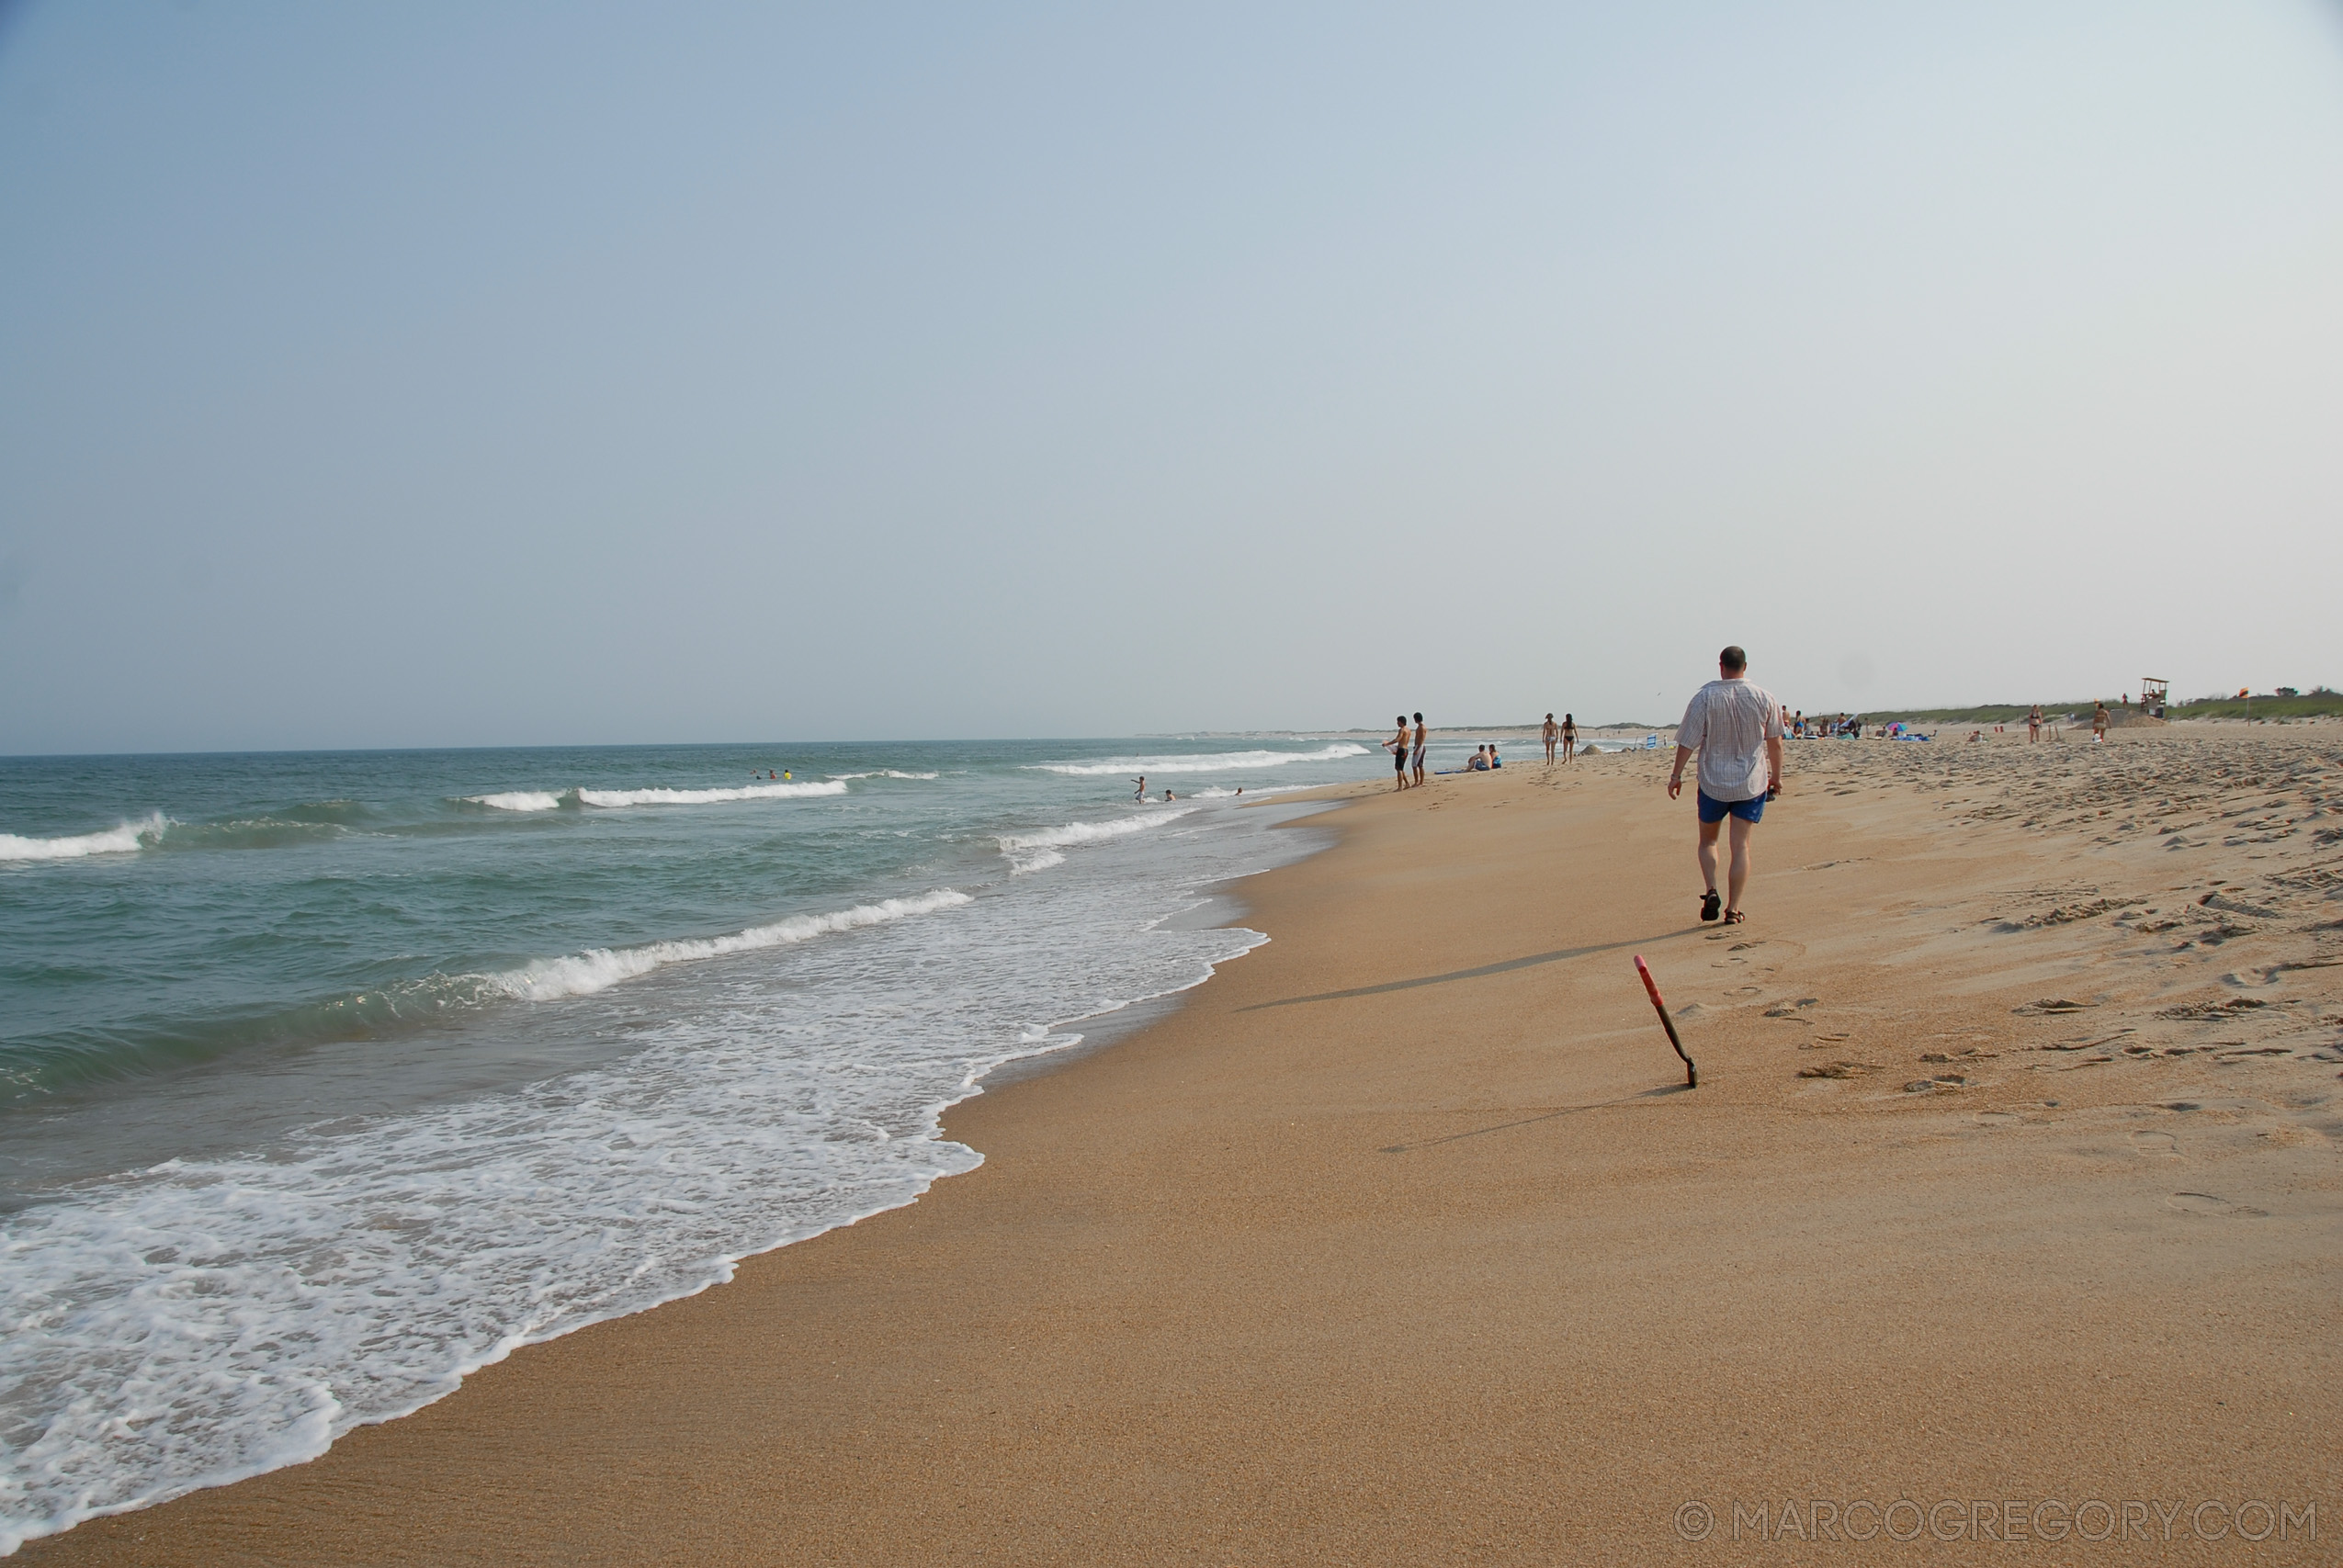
x: 1403, y: 1235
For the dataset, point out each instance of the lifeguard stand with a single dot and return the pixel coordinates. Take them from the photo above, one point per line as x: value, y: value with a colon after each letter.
x: 2152, y: 693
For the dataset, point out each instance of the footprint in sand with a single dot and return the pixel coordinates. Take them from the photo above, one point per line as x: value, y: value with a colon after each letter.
x: 2162, y: 1143
x: 2205, y: 1204
x: 1998, y: 1118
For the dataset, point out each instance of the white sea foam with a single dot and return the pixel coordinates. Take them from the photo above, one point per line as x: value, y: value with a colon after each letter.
x: 1039, y: 851
x: 582, y: 974
x: 128, y: 839
x: 885, y: 774
x: 189, y: 1323
x: 1206, y: 762
x: 610, y: 797
x: 519, y: 800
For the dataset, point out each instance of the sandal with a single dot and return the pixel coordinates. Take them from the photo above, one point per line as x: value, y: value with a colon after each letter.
x: 1736, y: 917
x: 1709, y: 904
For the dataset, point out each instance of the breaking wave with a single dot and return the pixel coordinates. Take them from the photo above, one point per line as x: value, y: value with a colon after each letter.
x: 608, y: 798
x: 1206, y: 762
x: 1039, y: 851
x: 582, y: 974
x: 551, y: 800
x: 519, y: 800
x: 127, y: 839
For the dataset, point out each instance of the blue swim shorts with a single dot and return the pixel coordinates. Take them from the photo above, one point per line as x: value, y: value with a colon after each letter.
x: 1717, y: 810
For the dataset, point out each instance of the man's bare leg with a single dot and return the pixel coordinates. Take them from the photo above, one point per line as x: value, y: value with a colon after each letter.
x: 1740, y: 872
x: 1708, y: 856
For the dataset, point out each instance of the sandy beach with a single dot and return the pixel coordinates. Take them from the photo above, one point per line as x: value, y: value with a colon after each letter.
x: 2007, y: 1209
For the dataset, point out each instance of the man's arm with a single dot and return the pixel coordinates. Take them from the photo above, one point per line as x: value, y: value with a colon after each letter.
x: 1676, y: 779
x: 1774, y: 764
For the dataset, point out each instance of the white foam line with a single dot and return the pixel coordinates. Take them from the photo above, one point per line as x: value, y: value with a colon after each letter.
x: 128, y: 839
x: 884, y: 773
x: 582, y: 974
x: 1203, y: 762
x: 1039, y: 851
x: 611, y: 797
x: 519, y: 800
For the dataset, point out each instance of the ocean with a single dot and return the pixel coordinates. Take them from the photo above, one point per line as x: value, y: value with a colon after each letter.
x: 326, y: 1079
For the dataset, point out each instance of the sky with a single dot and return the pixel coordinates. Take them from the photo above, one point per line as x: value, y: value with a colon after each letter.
x: 440, y: 374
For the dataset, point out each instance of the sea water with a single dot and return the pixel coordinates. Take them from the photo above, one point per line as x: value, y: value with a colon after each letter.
x: 326, y: 1079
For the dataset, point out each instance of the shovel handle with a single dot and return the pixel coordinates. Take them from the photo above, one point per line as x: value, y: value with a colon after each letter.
x: 1651, y: 989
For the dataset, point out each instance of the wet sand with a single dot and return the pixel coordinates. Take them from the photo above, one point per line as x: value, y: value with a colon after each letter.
x: 2010, y: 1189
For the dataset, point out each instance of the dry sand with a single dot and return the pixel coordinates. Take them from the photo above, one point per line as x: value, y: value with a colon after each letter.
x: 2011, y: 1185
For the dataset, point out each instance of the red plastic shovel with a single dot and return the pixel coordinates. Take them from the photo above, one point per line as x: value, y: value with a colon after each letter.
x: 1651, y: 986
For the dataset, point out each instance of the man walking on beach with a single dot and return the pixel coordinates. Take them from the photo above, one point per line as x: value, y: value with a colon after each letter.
x: 1736, y: 729
x: 1416, y: 761
x: 1552, y: 731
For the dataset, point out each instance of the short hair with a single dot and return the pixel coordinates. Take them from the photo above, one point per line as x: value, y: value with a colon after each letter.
x: 1418, y: 718
x: 1733, y: 657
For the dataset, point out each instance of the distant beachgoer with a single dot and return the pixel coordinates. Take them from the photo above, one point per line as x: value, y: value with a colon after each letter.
x: 1168, y: 795
x: 1735, y: 726
x: 1240, y: 789
x: 1569, y: 736
x: 1141, y: 782
x: 2098, y: 724
x: 2034, y: 724
x: 1398, y: 747
x: 1415, y: 761
x: 1551, y: 731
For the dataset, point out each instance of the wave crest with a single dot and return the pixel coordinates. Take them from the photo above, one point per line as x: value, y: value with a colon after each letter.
x: 610, y: 797
x: 1039, y: 851
x: 519, y: 800
x: 129, y: 838
x: 582, y: 974
x: 1206, y: 762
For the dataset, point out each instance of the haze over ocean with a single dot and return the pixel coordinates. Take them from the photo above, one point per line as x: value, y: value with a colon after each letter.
x: 557, y: 374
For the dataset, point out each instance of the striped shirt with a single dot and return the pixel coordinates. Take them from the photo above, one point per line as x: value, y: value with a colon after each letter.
x: 1728, y: 724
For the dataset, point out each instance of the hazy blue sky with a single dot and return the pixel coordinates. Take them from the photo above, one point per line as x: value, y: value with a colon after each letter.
x: 449, y: 374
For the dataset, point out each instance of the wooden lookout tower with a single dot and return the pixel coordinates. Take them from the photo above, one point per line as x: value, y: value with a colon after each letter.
x: 2152, y: 693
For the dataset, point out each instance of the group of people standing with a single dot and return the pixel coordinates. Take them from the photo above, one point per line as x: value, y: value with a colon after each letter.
x: 1409, y: 736
x: 1407, y: 753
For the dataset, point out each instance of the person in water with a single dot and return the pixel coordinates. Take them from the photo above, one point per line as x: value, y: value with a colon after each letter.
x: 1141, y: 782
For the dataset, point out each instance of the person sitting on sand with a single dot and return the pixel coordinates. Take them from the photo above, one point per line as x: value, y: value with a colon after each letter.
x: 1479, y: 764
x: 1494, y: 760
x: 1736, y: 729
